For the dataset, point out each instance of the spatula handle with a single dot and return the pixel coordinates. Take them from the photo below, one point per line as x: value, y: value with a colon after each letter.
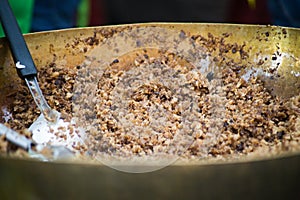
x: 21, y: 55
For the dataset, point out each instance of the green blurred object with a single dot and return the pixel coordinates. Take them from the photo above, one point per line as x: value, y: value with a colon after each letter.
x: 23, y: 12
x: 83, y: 13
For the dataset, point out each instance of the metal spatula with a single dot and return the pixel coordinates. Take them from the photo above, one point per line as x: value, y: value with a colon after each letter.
x: 35, y: 150
x: 49, y: 118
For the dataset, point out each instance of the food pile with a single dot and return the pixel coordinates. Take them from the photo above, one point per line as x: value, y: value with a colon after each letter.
x: 222, y: 114
x: 162, y: 104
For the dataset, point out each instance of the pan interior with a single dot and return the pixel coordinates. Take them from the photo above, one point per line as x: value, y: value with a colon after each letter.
x: 245, y: 101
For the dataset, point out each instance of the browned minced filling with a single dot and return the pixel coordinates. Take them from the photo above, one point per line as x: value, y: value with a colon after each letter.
x: 228, y: 115
x: 232, y: 116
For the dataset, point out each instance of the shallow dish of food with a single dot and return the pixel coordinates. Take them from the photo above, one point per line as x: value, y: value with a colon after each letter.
x: 191, y: 105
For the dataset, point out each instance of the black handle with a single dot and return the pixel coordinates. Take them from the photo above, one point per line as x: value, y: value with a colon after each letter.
x: 21, y: 55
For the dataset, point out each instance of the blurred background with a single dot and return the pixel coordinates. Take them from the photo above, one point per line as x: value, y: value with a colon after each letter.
x: 41, y: 15
x: 224, y: 11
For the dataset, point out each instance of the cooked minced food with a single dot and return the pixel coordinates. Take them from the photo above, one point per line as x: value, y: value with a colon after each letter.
x: 153, y: 105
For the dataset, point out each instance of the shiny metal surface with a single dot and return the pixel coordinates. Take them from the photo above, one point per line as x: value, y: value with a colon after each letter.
x: 269, y: 48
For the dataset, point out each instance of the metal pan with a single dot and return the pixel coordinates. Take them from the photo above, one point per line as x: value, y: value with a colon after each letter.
x: 269, y: 48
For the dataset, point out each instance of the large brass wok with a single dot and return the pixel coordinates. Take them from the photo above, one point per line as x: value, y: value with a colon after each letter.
x: 266, y: 47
